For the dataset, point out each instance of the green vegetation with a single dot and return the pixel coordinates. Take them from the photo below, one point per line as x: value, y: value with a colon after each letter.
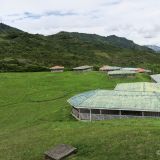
x: 70, y: 50
x: 35, y: 116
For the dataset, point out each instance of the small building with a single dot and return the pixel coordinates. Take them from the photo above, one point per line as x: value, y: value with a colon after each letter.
x: 129, y: 69
x: 109, y: 104
x: 156, y: 78
x: 57, y: 69
x: 148, y: 71
x: 83, y: 68
x: 141, y: 70
x: 122, y: 73
x: 59, y: 152
x: 109, y: 68
x: 138, y: 87
x: 138, y: 70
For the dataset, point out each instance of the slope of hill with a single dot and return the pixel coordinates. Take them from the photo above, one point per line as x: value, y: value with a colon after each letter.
x: 5, y: 29
x: 35, y: 116
x: 68, y: 49
x: 155, y: 48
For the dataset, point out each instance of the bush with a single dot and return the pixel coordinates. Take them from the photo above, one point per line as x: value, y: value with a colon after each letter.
x: 20, y: 65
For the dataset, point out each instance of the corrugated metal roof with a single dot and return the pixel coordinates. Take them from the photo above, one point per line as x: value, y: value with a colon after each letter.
x: 109, y: 68
x: 129, y: 69
x: 148, y: 71
x: 138, y: 86
x: 121, y: 72
x: 83, y: 67
x: 140, y: 70
x: 57, y: 67
x: 156, y: 77
x: 117, y: 100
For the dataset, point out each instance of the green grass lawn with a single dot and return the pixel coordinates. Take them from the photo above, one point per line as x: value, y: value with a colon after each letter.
x: 34, y: 116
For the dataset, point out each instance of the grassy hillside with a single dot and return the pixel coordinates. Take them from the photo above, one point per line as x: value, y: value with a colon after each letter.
x: 21, y: 51
x: 35, y: 116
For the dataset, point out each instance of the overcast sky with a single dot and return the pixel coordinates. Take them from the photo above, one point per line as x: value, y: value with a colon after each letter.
x: 137, y: 20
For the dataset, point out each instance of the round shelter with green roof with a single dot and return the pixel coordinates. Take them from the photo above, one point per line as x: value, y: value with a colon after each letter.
x: 107, y: 104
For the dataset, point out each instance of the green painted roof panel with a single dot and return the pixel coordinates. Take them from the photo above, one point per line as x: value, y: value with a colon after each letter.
x: 117, y: 100
x: 139, y: 86
x: 156, y: 77
x: 121, y: 72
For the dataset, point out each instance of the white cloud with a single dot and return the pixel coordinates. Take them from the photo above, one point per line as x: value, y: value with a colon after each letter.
x: 136, y: 20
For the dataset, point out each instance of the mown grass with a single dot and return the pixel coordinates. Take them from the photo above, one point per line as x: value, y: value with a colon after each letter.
x: 34, y: 116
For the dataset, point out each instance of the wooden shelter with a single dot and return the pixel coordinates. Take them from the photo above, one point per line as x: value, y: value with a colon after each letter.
x: 83, y: 68
x: 57, y: 69
x: 138, y: 70
x: 122, y: 73
x: 109, y: 68
x: 109, y: 104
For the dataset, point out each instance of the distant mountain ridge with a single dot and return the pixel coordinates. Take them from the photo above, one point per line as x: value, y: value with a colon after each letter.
x: 5, y: 29
x: 154, y: 47
x: 21, y: 51
x: 110, y: 40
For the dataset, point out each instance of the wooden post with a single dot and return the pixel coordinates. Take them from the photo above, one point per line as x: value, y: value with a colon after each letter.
x: 120, y: 113
x: 101, y: 117
x: 100, y: 112
x: 90, y: 115
x: 79, y: 114
x: 142, y: 114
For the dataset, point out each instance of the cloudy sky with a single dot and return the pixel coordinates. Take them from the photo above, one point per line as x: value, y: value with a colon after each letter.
x: 137, y: 20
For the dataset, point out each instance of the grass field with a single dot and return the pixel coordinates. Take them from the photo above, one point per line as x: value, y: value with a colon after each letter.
x: 34, y: 116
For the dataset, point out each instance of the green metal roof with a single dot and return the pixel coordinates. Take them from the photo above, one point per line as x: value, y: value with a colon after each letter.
x: 121, y: 72
x: 139, y: 86
x: 156, y: 77
x: 117, y: 100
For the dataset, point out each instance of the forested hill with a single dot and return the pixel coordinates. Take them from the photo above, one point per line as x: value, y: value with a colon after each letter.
x: 21, y: 51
